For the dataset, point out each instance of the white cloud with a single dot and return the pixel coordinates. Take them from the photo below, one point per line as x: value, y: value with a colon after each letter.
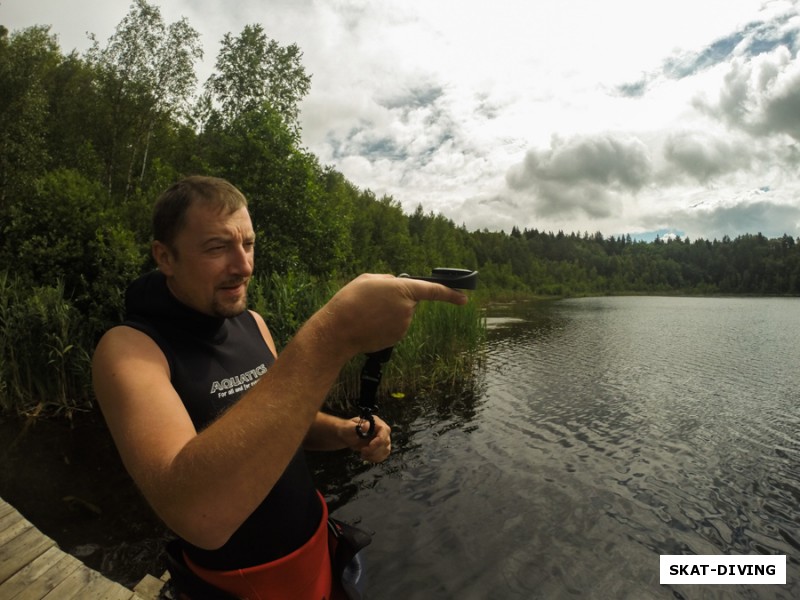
x: 586, y: 174
x: 761, y: 95
x: 608, y: 116
x: 703, y: 156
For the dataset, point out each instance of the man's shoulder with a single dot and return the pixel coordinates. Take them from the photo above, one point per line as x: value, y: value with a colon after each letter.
x: 263, y: 331
x: 125, y: 354
x: 125, y: 342
x: 255, y: 316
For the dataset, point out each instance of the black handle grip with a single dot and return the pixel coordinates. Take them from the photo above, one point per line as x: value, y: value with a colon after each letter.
x: 460, y: 279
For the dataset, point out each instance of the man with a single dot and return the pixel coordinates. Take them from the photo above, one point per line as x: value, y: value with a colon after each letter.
x: 210, y: 423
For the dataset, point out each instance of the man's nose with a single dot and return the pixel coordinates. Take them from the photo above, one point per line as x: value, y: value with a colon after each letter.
x: 242, y: 261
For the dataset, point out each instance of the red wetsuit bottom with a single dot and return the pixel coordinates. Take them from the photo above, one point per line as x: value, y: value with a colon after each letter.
x: 305, y: 574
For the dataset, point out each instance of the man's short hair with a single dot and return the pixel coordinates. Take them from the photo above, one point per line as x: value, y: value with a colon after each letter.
x: 169, y: 212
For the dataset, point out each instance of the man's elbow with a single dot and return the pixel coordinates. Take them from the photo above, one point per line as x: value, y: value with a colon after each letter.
x: 201, y: 530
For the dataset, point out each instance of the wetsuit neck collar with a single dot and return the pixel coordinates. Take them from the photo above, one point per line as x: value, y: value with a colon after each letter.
x: 149, y: 296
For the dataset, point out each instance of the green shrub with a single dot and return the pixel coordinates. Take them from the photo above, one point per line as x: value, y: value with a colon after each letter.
x: 44, y: 361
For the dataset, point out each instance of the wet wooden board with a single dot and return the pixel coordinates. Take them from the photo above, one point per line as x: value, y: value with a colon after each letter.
x: 33, y: 567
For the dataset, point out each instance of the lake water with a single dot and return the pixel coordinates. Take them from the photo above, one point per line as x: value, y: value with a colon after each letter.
x: 600, y: 434
x: 607, y: 431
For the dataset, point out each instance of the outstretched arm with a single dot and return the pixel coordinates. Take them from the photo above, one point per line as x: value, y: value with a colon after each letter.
x: 204, y: 485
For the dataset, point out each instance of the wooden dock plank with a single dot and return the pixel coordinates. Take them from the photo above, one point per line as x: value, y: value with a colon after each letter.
x: 11, y: 526
x: 33, y: 567
x: 21, y: 550
x: 6, y: 509
x: 84, y: 583
x: 9, y: 518
x: 148, y: 587
x: 40, y: 576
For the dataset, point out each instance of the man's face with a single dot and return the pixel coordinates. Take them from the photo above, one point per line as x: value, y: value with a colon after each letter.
x: 210, y: 267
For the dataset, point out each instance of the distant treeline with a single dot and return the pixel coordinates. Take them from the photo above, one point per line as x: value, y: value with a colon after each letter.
x: 87, y: 142
x: 574, y: 264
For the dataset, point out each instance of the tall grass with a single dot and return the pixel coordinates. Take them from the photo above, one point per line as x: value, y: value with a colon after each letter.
x: 439, y: 353
x: 286, y: 301
x: 44, y: 350
x: 46, y: 343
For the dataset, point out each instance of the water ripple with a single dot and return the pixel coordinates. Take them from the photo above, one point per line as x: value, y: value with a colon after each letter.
x: 674, y: 419
x: 610, y: 431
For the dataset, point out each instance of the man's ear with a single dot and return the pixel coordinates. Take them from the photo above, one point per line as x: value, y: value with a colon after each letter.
x: 163, y: 256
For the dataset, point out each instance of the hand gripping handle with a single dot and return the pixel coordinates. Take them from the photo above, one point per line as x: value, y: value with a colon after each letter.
x: 462, y: 279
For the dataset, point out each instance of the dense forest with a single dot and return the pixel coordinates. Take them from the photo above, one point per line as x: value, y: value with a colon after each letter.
x: 87, y: 142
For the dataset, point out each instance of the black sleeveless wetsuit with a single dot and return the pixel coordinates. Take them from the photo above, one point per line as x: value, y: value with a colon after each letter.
x: 212, y: 362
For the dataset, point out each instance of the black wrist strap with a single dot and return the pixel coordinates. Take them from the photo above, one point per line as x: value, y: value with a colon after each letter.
x: 371, y: 375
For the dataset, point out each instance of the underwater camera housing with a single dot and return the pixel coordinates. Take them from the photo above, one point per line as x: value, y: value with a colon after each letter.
x: 460, y: 279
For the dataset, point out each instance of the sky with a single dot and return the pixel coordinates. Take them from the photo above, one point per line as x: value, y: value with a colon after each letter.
x: 619, y: 117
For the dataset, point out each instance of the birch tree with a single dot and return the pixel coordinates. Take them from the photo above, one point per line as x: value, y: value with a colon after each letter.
x: 149, y: 73
x: 253, y: 70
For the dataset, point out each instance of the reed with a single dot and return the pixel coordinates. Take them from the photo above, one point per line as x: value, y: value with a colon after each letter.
x: 287, y: 300
x: 46, y: 344
x: 440, y: 353
x: 44, y: 350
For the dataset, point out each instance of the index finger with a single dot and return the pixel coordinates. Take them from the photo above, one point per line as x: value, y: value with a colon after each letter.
x: 425, y: 290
